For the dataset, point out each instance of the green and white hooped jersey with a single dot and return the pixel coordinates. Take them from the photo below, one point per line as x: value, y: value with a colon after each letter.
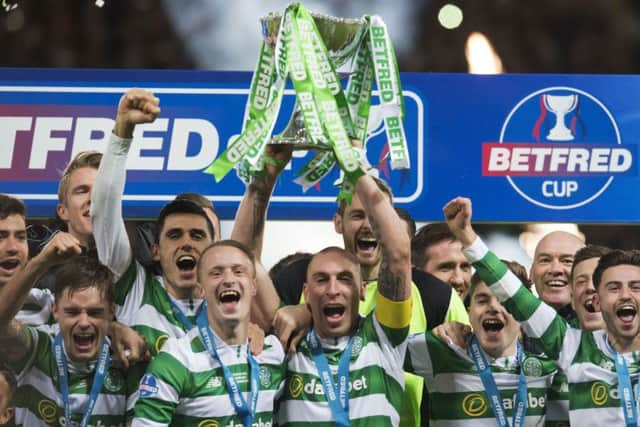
x: 458, y: 397
x: 558, y: 402
x: 184, y: 386
x: 142, y: 302
x: 38, y: 401
x: 36, y: 310
x: 584, y: 356
x: 375, y: 379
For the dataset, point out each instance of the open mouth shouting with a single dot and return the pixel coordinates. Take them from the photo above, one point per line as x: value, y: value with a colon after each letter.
x: 589, y: 306
x: 228, y: 300
x: 9, y: 266
x: 85, y: 341
x: 334, y: 313
x: 366, y: 244
x: 186, y: 266
x: 492, y: 327
x: 626, y: 313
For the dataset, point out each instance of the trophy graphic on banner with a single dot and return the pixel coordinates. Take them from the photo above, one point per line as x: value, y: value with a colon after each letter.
x: 308, y: 49
x: 560, y: 106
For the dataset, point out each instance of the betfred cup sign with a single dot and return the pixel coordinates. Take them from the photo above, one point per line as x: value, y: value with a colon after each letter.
x: 559, y: 148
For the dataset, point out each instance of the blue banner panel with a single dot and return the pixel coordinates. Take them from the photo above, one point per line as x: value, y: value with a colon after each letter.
x: 523, y: 147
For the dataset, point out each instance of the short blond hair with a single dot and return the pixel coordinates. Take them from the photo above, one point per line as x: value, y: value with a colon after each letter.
x: 84, y: 159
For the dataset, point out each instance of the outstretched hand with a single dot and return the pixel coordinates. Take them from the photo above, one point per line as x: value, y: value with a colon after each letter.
x: 136, y: 106
x: 457, y: 213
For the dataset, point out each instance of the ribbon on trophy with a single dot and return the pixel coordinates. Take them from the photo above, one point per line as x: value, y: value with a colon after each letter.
x: 309, y: 49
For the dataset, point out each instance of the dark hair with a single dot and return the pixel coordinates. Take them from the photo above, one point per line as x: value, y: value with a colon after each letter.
x: 588, y: 252
x: 287, y: 261
x: 181, y: 207
x: 613, y: 258
x: 427, y: 236
x: 382, y: 185
x: 408, y: 219
x: 516, y: 268
x: 232, y: 244
x: 81, y: 272
x: 11, y: 206
x: 198, y: 199
x: 10, y: 378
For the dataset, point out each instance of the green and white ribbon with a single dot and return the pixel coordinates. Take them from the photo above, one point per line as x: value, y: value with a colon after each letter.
x: 390, y: 89
x: 265, y: 97
x: 331, y: 118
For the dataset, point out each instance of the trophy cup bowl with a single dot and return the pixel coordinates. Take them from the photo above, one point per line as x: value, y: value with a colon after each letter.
x: 560, y: 106
x: 341, y: 36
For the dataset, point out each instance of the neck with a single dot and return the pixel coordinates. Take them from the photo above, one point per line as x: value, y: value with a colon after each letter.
x: 178, y: 292
x: 369, y: 272
x: 624, y: 344
x: 232, y: 332
x: 352, y: 330
x: 508, y: 350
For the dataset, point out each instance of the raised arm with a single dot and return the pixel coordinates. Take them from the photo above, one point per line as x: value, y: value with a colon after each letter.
x: 248, y: 228
x: 14, y: 293
x: 114, y: 250
x: 394, y: 276
x: 537, y: 318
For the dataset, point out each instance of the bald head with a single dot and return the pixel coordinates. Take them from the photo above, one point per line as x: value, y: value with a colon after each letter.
x: 551, y: 267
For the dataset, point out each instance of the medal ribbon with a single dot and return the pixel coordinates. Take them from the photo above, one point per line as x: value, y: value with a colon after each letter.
x: 233, y: 388
x: 337, y: 394
x: 484, y: 370
x: 63, y: 378
x: 629, y: 407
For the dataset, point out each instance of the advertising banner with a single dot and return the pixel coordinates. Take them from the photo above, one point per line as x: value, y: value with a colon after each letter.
x: 523, y: 147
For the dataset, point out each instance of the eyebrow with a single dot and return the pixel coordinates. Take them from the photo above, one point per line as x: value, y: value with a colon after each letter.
x: 481, y: 294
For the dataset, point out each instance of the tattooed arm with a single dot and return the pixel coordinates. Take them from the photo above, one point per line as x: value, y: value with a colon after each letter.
x: 394, y: 276
x: 248, y: 228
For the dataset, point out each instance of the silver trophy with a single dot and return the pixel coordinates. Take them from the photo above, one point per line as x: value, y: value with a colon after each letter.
x: 341, y: 37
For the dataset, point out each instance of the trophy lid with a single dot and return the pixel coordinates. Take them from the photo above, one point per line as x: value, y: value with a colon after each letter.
x: 341, y: 35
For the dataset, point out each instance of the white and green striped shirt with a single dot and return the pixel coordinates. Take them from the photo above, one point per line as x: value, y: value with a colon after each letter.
x: 376, y: 379
x: 142, y: 303
x: 38, y: 402
x: 36, y: 310
x: 584, y: 356
x: 184, y: 386
x: 458, y: 397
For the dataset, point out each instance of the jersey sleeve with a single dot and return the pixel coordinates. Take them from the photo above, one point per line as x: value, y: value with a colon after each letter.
x: 159, y: 391
x: 40, y: 344
x: 394, y: 317
x: 129, y: 292
x: 418, y: 358
x: 112, y: 241
x: 133, y: 375
x: 538, y: 320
